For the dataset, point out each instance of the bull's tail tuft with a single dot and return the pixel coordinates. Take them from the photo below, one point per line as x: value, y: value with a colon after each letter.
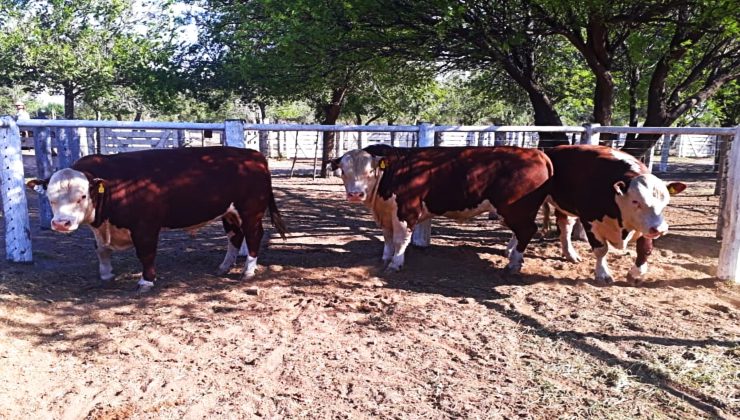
x: 275, y: 217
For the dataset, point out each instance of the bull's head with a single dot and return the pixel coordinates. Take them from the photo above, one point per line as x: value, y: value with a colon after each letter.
x: 359, y: 173
x: 70, y: 194
x: 642, y: 202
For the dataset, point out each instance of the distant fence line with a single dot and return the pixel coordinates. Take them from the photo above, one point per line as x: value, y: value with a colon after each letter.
x: 235, y: 133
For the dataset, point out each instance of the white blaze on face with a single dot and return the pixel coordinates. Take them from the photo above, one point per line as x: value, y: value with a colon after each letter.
x: 69, y: 195
x: 642, y: 205
x: 358, y: 174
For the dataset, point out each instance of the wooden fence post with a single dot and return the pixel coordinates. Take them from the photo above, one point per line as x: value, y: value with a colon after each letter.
x: 69, y: 147
x: 234, y: 133
x: 422, y: 235
x: 13, y: 189
x: 44, y: 169
x: 729, y: 255
x: 590, y: 136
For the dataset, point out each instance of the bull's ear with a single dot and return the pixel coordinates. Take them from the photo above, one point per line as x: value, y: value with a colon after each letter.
x: 675, y: 187
x: 38, y: 185
x: 334, y: 163
x: 380, y: 162
x: 620, y: 187
x: 97, y: 186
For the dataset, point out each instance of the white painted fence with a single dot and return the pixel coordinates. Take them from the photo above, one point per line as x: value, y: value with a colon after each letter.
x: 18, y: 244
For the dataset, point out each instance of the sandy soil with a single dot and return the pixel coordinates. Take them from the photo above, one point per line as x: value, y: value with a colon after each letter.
x: 329, y: 335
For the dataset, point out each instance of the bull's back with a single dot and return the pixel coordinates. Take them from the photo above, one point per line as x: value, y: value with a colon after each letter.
x: 179, y: 187
x: 454, y: 179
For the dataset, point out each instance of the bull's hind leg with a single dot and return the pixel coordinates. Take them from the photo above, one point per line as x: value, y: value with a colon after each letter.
x: 253, y: 231
x: 565, y: 224
x: 145, y: 241
x: 602, y: 273
x: 388, y: 247
x: 235, y: 238
x: 524, y: 229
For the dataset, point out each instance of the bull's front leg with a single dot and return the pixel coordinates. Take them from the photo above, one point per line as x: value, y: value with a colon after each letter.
x: 565, y: 224
x: 145, y: 242
x: 388, y: 247
x: 401, y: 239
x: 638, y: 271
x: 105, y: 267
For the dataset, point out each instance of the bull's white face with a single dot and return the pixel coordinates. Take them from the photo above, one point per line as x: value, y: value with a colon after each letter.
x: 69, y: 195
x: 359, y: 174
x: 643, y: 202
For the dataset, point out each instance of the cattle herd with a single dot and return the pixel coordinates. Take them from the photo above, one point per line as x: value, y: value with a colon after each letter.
x: 128, y: 198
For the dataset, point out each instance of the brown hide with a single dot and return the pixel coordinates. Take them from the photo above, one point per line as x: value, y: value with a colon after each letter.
x: 448, y: 179
x: 146, y: 191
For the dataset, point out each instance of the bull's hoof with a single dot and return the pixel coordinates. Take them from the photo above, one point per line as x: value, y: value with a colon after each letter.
x: 248, y: 276
x: 513, y: 268
x: 636, y: 275
x: 144, y: 286
x: 573, y: 257
x: 223, y: 271
x: 393, y: 268
x: 605, y: 280
x: 107, y: 279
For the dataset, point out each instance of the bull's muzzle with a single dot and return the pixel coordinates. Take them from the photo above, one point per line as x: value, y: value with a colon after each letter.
x: 355, y: 197
x: 61, y: 225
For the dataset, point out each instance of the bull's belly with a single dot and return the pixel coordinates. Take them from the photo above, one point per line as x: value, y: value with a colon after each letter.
x: 108, y: 235
x: 484, y: 206
x: 608, y: 230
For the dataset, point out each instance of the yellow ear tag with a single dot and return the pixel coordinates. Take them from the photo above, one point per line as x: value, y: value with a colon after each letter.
x: 101, y: 189
x: 382, y: 164
x: 671, y: 190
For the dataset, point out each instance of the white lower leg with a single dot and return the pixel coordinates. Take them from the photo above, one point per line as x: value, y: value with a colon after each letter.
x: 637, y: 273
x: 104, y: 265
x: 229, y: 259
x: 513, y: 242
x: 145, y: 285
x: 401, y: 240
x: 249, y: 267
x: 388, y: 248
x: 566, y: 230
x: 243, y: 250
x: 603, y: 275
x: 516, y: 259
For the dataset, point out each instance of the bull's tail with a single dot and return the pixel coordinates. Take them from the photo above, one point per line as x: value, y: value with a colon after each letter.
x: 275, y: 217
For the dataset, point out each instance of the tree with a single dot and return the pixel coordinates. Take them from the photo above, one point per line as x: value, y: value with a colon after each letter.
x: 477, y: 36
x: 79, y: 48
x: 290, y: 50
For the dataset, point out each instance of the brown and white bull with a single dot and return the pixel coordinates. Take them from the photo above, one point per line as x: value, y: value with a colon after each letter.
x: 403, y: 187
x: 617, y: 200
x: 128, y: 198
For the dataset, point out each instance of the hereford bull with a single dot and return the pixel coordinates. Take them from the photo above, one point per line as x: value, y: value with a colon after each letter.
x: 403, y: 187
x: 617, y: 200
x: 127, y: 198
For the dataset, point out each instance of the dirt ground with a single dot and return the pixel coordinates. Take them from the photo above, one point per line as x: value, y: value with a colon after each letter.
x: 329, y: 335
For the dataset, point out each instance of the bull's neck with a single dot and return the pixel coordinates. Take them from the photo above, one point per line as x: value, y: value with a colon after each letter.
x: 370, y: 199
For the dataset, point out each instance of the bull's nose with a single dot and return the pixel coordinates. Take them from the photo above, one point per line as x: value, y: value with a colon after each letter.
x: 61, y: 225
x: 355, y: 196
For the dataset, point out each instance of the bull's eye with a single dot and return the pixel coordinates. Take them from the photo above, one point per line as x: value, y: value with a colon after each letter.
x: 636, y: 203
x: 83, y: 197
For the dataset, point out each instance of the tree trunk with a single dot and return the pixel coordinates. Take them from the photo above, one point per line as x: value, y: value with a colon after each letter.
x: 331, y: 114
x: 264, y: 135
x: 137, y: 116
x: 69, y: 101
x: 545, y: 114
